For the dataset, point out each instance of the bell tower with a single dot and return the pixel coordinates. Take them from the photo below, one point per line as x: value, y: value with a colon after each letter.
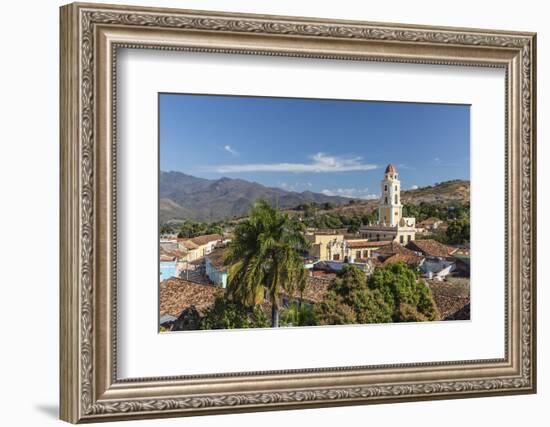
x: 390, y: 207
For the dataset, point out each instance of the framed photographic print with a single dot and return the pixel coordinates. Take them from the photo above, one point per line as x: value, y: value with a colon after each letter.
x: 264, y: 212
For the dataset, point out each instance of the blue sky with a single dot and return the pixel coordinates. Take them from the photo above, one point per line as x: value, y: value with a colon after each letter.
x: 330, y: 146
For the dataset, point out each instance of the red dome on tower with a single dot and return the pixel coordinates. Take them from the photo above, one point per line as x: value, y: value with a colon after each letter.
x: 391, y: 169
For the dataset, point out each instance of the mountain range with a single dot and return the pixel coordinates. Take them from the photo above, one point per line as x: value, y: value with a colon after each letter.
x: 184, y: 196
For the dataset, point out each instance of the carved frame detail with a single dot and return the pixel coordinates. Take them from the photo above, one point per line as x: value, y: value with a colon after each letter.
x: 81, y: 399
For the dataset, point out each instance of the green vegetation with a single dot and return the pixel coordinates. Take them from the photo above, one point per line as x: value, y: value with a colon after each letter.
x: 223, y: 314
x: 316, y: 215
x: 350, y: 300
x: 391, y: 294
x: 445, y: 212
x: 409, y: 299
x: 328, y: 216
x: 297, y: 314
x: 228, y: 314
x: 193, y: 229
x: 458, y: 231
x: 264, y: 257
x: 166, y: 229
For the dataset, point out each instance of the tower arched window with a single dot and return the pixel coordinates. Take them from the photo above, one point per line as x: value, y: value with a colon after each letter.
x: 386, y: 187
x: 396, y: 199
x: 386, y: 200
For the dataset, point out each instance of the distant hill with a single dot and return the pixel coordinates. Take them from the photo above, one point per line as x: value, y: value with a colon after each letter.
x: 184, y: 196
x: 442, y: 193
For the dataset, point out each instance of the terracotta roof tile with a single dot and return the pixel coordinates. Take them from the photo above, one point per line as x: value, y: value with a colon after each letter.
x: 431, y: 247
x: 174, y: 253
x: 395, y: 248
x: 187, y: 244
x: 367, y: 244
x: 207, y: 238
x: 323, y: 274
x: 410, y: 259
x: 177, y: 294
x: 430, y: 221
x: 316, y: 288
x: 453, y: 301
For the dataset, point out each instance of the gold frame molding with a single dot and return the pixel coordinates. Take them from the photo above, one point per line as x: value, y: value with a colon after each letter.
x: 90, y: 37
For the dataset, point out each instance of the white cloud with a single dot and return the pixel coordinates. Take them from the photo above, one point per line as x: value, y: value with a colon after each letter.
x: 320, y: 162
x: 414, y: 187
x: 296, y: 186
x: 230, y: 150
x: 354, y: 193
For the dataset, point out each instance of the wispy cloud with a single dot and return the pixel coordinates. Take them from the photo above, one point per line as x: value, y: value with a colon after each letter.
x: 230, y: 150
x: 354, y: 193
x: 320, y: 162
x: 414, y: 187
x: 295, y: 186
x: 404, y: 166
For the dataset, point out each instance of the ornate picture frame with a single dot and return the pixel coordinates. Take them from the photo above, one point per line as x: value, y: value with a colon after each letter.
x: 90, y: 37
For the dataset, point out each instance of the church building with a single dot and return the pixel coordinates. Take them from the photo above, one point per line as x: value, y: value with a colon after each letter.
x: 391, y: 223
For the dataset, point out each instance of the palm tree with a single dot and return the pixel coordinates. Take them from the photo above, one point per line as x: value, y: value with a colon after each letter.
x: 263, y: 257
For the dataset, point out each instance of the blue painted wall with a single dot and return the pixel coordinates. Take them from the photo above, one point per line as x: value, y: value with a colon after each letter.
x: 218, y: 277
x: 167, y: 270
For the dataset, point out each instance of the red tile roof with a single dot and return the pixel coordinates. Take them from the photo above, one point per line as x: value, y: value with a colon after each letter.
x: 430, y: 221
x: 207, y: 238
x: 323, y: 274
x: 187, y: 244
x: 316, y: 288
x: 177, y: 294
x: 174, y: 253
x: 394, y: 247
x: 431, y: 247
x: 452, y: 300
x: 367, y: 244
x: 409, y: 259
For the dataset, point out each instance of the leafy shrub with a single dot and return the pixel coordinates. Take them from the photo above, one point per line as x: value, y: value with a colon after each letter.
x: 228, y: 314
x: 391, y: 294
x: 299, y: 315
x: 349, y: 300
x: 189, y: 320
x: 458, y: 231
x: 401, y: 290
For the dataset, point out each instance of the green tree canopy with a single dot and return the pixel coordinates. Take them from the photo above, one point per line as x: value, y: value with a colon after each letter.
x: 391, y: 294
x: 458, y: 231
x: 349, y: 300
x: 189, y: 229
x: 299, y: 315
x: 228, y: 314
x: 407, y: 298
x: 453, y: 210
